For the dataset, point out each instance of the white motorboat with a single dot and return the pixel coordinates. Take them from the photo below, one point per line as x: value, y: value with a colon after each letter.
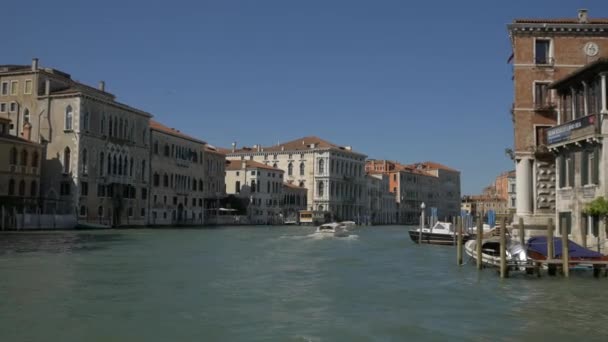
x: 442, y: 233
x: 334, y: 228
x: 349, y: 225
x: 490, y: 252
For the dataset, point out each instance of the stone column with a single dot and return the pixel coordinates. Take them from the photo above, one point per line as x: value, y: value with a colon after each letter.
x: 604, y: 106
x: 523, y: 174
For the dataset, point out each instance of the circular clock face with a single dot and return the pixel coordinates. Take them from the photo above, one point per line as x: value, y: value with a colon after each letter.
x: 591, y: 49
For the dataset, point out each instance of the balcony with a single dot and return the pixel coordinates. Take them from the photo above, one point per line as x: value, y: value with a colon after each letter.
x: 573, y: 131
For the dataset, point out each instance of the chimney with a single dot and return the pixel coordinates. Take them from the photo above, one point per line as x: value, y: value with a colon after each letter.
x: 47, y: 87
x: 282, y: 148
x: 34, y: 64
x: 259, y: 148
x: 348, y: 148
x: 583, y: 16
x: 102, y: 86
x: 234, y: 147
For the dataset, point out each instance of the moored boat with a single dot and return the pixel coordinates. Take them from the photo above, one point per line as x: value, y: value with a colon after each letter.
x: 538, y: 250
x: 490, y: 252
x: 442, y: 233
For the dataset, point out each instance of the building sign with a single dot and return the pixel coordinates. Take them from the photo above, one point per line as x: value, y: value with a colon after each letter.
x: 564, y: 132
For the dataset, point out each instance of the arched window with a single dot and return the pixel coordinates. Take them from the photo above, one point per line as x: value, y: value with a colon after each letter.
x: 101, y: 163
x: 114, y: 165
x: 66, y: 160
x: 274, y: 165
x: 167, y: 151
x: 11, y: 187
x: 321, y: 166
x: 252, y: 186
x: 301, y: 184
x: 155, y: 147
x: 156, y: 179
x: 85, y: 162
x: 166, y: 180
x: 109, y: 164
x: 100, y: 211
x: 125, y: 166
x: 26, y: 115
x: 110, y: 127
x: 119, y: 131
x: 143, y: 170
x: 321, y: 208
x: 34, y: 189
x: 24, y: 157
x: 237, y: 187
x: 119, y: 171
x: 116, y: 131
x: 321, y: 189
x: 200, y: 185
x: 13, y: 156
x: 102, y: 125
x: 194, y: 184
x: 290, y: 169
x: 69, y: 116
x: 131, y: 167
x: 85, y: 121
x: 35, y: 159
x: 22, y: 188
x: 302, y: 169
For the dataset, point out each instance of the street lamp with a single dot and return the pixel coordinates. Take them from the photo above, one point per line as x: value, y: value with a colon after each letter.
x: 422, y: 206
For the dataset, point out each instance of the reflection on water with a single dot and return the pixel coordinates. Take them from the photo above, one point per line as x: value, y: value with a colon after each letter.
x: 283, y: 284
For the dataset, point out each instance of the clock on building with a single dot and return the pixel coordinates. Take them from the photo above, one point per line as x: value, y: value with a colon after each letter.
x: 591, y: 49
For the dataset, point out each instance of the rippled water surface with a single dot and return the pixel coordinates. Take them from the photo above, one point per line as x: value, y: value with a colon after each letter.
x: 276, y: 284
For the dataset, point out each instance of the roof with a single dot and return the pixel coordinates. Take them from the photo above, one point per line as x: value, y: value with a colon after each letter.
x: 572, y: 21
x: 588, y: 71
x: 430, y: 165
x: 294, y: 187
x: 18, y: 139
x: 157, y: 126
x: 214, y: 150
x: 234, y: 165
x: 300, y: 144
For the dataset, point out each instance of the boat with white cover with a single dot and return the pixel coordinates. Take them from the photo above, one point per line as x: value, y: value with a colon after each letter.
x: 490, y: 251
x: 442, y: 233
x: 334, y: 228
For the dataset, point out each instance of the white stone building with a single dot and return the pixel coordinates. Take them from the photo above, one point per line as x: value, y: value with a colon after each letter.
x: 334, y: 175
x: 261, y: 186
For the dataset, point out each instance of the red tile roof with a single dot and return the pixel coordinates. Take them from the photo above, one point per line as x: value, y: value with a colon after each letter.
x: 249, y: 164
x: 297, y: 145
x: 429, y: 165
x: 157, y: 126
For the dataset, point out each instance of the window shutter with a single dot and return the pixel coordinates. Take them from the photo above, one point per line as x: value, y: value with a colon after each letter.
x: 584, y: 167
x: 561, y: 162
x: 596, y: 166
x: 571, y: 170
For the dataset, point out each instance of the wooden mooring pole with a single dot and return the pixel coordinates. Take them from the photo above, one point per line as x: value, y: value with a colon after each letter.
x: 459, y: 221
x: 503, y: 248
x: 565, y: 254
x: 550, y: 247
x: 478, y: 243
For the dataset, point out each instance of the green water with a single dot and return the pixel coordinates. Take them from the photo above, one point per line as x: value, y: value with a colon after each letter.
x: 276, y: 284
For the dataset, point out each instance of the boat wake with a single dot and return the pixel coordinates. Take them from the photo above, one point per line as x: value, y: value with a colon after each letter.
x: 318, y: 236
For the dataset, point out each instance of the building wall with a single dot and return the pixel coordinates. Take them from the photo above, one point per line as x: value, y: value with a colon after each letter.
x: 294, y: 199
x: 180, y: 200
x: 214, y: 183
x: 342, y: 177
x: 26, y: 171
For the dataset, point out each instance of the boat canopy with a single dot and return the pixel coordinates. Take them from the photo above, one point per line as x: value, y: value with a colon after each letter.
x: 539, y: 244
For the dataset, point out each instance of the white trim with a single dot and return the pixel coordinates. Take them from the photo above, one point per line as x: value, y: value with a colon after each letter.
x: 554, y: 65
x: 25, y: 87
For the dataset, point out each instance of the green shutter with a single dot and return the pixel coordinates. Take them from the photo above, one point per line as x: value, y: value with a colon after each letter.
x: 596, y: 166
x: 561, y: 162
x: 584, y: 167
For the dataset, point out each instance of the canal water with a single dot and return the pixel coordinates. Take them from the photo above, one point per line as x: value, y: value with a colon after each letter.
x: 276, y: 284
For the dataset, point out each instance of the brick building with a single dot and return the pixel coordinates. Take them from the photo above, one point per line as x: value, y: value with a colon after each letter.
x: 545, y: 50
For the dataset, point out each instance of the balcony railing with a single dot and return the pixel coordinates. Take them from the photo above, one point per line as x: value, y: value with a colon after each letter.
x: 575, y: 130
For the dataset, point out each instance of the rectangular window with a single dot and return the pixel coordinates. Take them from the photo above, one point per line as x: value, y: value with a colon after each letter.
x: 27, y: 87
x: 14, y: 87
x: 143, y: 212
x: 13, y: 107
x: 144, y: 193
x: 565, y: 221
x: 541, y: 95
x: 101, y: 190
x: 84, y: 189
x: 4, y: 88
x: 542, y: 51
x: 3, y: 107
x: 64, y: 188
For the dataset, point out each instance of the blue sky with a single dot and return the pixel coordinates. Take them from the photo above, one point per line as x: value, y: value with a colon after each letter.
x: 402, y: 80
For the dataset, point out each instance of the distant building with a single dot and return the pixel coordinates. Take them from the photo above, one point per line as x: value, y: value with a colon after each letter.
x: 294, y: 200
x: 333, y: 174
x: 178, y: 177
x: 482, y: 204
x: 214, y: 187
x: 261, y: 185
x: 437, y: 185
x: 381, y: 206
x: 545, y: 50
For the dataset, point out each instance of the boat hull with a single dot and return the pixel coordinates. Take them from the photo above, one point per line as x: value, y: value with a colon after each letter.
x: 436, y: 239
